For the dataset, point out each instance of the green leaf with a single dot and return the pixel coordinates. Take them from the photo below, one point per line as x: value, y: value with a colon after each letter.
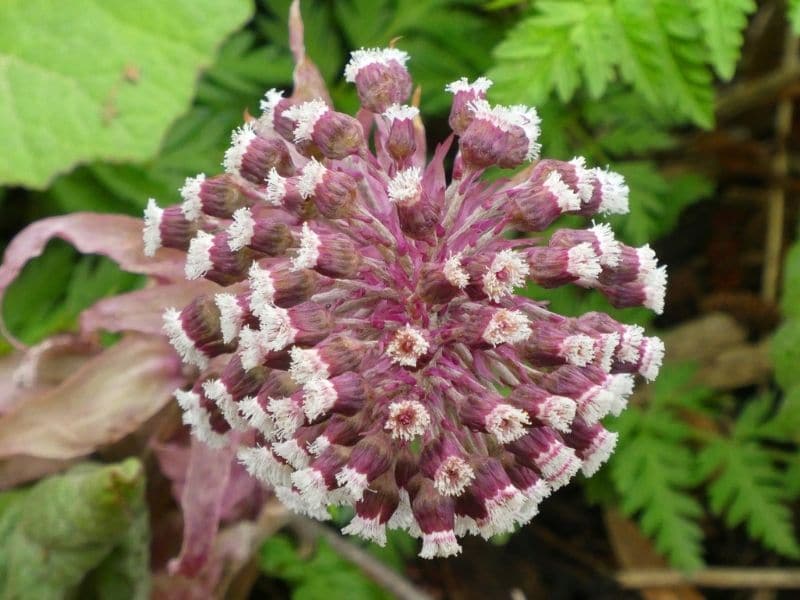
x: 723, y: 22
x: 790, y: 299
x: 86, y: 80
x: 85, y: 529
x: 794, y: 15
x: 785, y: 351
x: 747, y: 488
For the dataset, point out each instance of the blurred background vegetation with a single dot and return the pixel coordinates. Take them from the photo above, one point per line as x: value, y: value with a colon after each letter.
x: 103, y: 105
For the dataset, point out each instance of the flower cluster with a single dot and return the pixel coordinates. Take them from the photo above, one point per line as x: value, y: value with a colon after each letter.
x: 366, y: 338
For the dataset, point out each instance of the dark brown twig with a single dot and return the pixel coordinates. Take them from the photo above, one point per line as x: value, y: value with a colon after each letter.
x: 715, y: 577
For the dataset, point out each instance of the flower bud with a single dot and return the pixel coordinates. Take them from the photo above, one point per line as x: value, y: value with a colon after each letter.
x: 492, y: 415
x: 210, y: 256
x: 500, y: 135
x: 333, y: 192
x: 272, y: 116
x: 552, y: 343
x: 217, y: 197
x: 280, y: 285
x: 343, y: 394
x: 333, y: 356
x: 262, y: 235
x: 195, y: 331
x: 556, y: 411
x: 371, y: 457
x: 533, y: 488
x: 464, y: 95
x: 203, y: 417
x: 553, y: 267
x: 304, y: 324
x: 601, y: 238
x: 234, y: 385
x: 167, y: 227
x: 543, y: 449
x: 407, y: 346
x: 380, y: 76
x: 252, y: 157
x: 401, y: 140
x: 648, y: 292
x: 407, y: 419
x: 418, y: 211
x: 445, y: 462
x: 436, y: 518
x: 497, y: 275
x: 336, y: 134
x: 587, y: 386
x: 593, y: 445
x: 374, y: 510
x: 333, y: 255
x: 316, y: 482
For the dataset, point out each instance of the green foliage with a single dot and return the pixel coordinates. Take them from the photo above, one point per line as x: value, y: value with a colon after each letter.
x: 790, y: 298
x: 84, y: 534
x: 794, y: 15
x: 723, y: 22
x: 53, y: 289
x: 653, y: 470
x: 786, y: 354
x: 106, y: 86
x: 314, y: 577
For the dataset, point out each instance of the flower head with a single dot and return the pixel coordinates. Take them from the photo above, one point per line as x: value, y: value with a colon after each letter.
x: 370, y: 317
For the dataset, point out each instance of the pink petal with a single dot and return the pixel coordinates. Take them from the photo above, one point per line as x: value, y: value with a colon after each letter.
x: 110, y: 396
x: 115, y: 236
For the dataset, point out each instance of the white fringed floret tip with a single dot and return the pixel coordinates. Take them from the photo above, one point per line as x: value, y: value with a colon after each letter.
x: 583, y: 262
x: 151, y: 233
x: 262, y: 288
x: 479, y: 86
x: 231, y: 316
x: 240, y: 140
x: 215, y: 390
x: 506, y: 117
x: 310, y: 178
x: 558, y: 412
x: 439, y: 544
x: 198, y: 258
x: 407, y: 419
x: 400, y: 112
x: 308, y: 253
x: 601, y: 449
x: 192, y: 207
x: 240, y: 231
x: 454, y: 272
x: 655, y: 288
x: 276, y: 326
x: 515, y: 270
x: 507, y: 423
x: 305, y: 117
x: 319, y: 395
x: 586, y: 178
x: 405, y: 186
x: 578, y: 349
x: 407, y: 346
x: 184, y: 346
x: 610, y: 248
x: 197, y: 419
x: 251, y: 410
x: 370, y: 56
x: 276, y: 188
x: 252, y: 347
x: 653, y: 355
x: 566, y: 199
x: 307, y: 365
x: 614, y: 191
x: 267, y: 105
x: 369, y: 529
x: 453, y: 476
x: 507, y: 327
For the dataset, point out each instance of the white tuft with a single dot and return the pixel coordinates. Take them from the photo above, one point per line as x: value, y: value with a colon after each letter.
x: 439, y: 544
x: 652, y: 357
x: 262, y: 288
x: 455, y: 273
x: 407, y: 419
x: 655, y: 288
x: 599, y: 451
x: 407, y: 346
x: 261, y: 464
x: 305, y: 117
x: 267, y: 105
x: 353, y: 481
x: 307, y: 364
x: 453, y: 476
x: 614, y: 192
x: 183, y: 344
x: 621, y: 386
x: 400, y: 112
x: 558, y: 465
x: 647, y: 262
x: 403, y: 517
x: 286, y: 415
x: 507, y: 423
x: 405, y: 187
x: 240, y: 232
x: 507, y: 271
x: 319, y: 395
x: 507, y: 327
x: 310, y: 177
x: 479, y: 86
x: 151, y: 233
x: 198, y: 419
x: 240, y: 140
x: 586, y: 178
x: 534, y: 495
x: 192, y: 206
x: 558, y: 412
x: 370, y: 529
x: 276, y: 188
x: 578, y: 349
x: 292, y: 452
x: 583, y: 262
x: 215, y: 390
x: 257, y: 417
x: 198, y: 258
x: 566, y: 199
x: 231, y: 316
x: 610, y: 248
x: 311, y: 485
x: 371, y: 56
x: 308, y: 253
x: 276, y: 327
x: 298, y: 504
x: 319, y: 445
x: 504, y: 510
x: 507, y: 117
x: 595, y: 403
x: 632, y: 336
x: 252, y: 348
x: 605, y: 348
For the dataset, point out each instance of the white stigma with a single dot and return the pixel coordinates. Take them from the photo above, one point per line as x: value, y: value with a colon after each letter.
x: 507, y: 271
x: 183, y: 344
x: 306, y: 365
x: 558, y: 412
x: 566, y: 199
x: 621, y: 386
x: 407, y: 419
x: 454, y: 272
x: 310, y: 177
x: 240, y: 140
x: 439, y: 543
x: 231, y: 316
x: 308, y: 253
x: 319, y: 396
x: 507, y: 423
x: 583, y: 262
x: 192, y: 206
x: 241, y: 230
x: 305, y: 117
x: 610, y: 248
x: 453, y: 476
x: 400, y: 112
x: 506, y: 118
x: 262, y: 288
x: 252, y: 347
x: 198, y: 258
x: 614, y: 192
x: 655, y: 288
x: 578, y: 349
x: 507, y: 327
x: 478, y: 87
x: 151, y: 234
x: 276, y: 188
x: 286, y: 415
x: 405, y: 187
x: 407, y: 346
x: 599, y: 451
x: 276, y: 327
x: 371, y: 56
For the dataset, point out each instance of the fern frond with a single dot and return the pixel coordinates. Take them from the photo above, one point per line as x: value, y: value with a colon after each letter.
x: 723, y: 22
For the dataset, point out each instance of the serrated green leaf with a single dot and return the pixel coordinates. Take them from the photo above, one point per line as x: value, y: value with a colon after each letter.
x: 785, y: 351
x: 748, y: 488
x: 54, y: 535
x: 107, y: 85
x: 723, y: 22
